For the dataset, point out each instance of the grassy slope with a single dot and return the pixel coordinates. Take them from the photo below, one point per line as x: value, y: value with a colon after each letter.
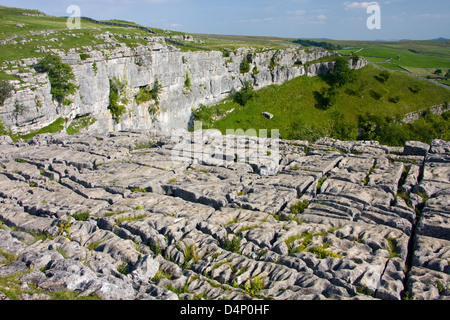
x: 418, y: 57
x: 299, y: 116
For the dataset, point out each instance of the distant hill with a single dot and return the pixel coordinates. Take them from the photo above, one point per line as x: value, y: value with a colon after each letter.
x: 440, y: 39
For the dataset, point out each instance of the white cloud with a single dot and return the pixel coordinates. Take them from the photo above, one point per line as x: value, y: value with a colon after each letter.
x: 359, y: 5
x: 322, y: 17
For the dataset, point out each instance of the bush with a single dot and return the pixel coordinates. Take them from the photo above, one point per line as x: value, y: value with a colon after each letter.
x: 299, y: 207
x: 5, y: 91
x: 391, y: 131
x: 84, y: 56
x: 342, y: 73
x: 231, y: 245
x: 415, y: 88
x: 245, y: 66
x: 395, y: 99
x: 383, y: 77
x: 146, y: 93
x: 246, y: 94
x: 117, y: 109
x: 60, y: 75
x: 187, y: 82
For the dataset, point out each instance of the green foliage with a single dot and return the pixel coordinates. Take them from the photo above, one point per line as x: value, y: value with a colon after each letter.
x: 60, y: 75
x: 326, y: 98
x: 383, y: 77
x: 79, y: 124
x: 5, y: 91
x: 299, y: 207
x: 124, y: 267
x: 146, y: 94
x: 207, y: 115
x: 84, y: 56
x: 321, y: 44
x: 322, y: 253
x: 415, y: 88
x: 64, y: 228
x: 56, y: 126
x: 187, y: 82
x: 342, y: 73
x: 273, y: 63
x: 94, y: 67
x: 81, y: 216
x: 244, y: 66
x: 254, y: 285
x: 393, y: 248
x: 116, y: 107
x: 233, y: 245
x: 246, y: 94
x: 391, y: 131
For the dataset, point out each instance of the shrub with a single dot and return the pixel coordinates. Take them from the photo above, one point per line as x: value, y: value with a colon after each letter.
x: 299, y: 207
x: 273, y: 63
x: 254, y: 285
x: 395, y: 99
x: 5, y: 91
x: 187, y: 82
x: 81, y: 216
x: 60, y: 75
x: 383, y: 77
x: 245, y: 66
x: 84, y: 56
x: 246, y: 94
x: 415, y: 88
x: 117, y: 88
x: 146, y: 93
x: 342, y: 73
x: 231, y: 245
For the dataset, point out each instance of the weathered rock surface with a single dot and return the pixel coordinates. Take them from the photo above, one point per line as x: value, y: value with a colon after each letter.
x: 219, y: 218
x: 212, y: 77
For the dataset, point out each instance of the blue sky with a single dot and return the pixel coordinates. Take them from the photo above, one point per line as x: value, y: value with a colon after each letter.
x: 334, y: 19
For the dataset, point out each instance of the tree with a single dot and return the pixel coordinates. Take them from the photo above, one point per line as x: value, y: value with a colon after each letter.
x: 60, y: 75
x: 246, y: 94
x: 342, y: 73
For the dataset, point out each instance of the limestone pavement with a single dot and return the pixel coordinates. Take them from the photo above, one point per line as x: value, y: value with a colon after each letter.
x: 129, y: 216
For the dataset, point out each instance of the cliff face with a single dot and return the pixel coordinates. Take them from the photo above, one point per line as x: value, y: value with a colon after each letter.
x: 188, y: 79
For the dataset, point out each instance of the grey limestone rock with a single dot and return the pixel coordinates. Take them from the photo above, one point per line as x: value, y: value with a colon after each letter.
x: 156, y: 224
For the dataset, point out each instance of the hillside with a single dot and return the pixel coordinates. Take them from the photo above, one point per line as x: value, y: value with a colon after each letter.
x: 300, y: 114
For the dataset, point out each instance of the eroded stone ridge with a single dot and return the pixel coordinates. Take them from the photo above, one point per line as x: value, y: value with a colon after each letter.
x: 119, y: 216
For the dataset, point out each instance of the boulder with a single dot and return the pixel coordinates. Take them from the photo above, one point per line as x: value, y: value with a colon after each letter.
x: 268, y: 115
x: 416, y: 148
x: 145, y: 269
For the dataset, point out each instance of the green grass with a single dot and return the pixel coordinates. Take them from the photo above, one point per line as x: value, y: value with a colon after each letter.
x: 299, y: 115
x: 79, y: 124
x: 54, y: 127
x: 401, y: 55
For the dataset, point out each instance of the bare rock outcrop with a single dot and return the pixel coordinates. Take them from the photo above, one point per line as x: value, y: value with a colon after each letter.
x: 98, y: 215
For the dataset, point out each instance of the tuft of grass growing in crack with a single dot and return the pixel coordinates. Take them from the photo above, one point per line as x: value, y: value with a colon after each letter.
x: 233, y: 245
x: 319, y: 185
x: 393, y: 248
